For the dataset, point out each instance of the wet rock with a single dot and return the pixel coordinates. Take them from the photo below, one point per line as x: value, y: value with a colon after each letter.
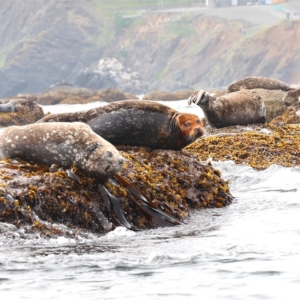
x: 18, y: 111
x: 34, y: 198
x: 69, y: 94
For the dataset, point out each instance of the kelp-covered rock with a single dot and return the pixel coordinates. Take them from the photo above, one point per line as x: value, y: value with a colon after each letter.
x: 19, y: 112
x: 37, y: 200
x: 69, y: 94
x: 258, y: 146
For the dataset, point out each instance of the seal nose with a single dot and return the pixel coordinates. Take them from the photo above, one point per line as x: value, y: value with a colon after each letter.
x: 200, y: 131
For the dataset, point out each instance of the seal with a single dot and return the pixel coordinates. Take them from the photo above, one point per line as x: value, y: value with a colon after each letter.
x: 9, y: 106
x: 256, y: 82
x: 138, y: 123
x: 64, y: 144
x: 238, y: 108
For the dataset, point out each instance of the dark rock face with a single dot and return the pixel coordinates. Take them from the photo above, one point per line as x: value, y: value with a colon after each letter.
x: 94, y: 80
x: 19, y: 112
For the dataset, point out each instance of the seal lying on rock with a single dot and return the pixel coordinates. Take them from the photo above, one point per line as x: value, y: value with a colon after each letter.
x: 256, y: 82
x: 64, y: 144
x: 239, y: 108
x: 138, y: 123
x: 9, y: 106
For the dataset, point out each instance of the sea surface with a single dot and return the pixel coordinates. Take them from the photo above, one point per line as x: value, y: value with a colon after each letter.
x: 248, y: 250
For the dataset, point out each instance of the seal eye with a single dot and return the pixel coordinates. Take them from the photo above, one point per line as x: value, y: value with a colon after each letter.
x: 90, y: 148
x: 187, y: 124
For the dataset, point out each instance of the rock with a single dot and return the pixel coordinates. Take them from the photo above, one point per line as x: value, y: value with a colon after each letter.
x: 292, y: 96
x: 258, y: 146
x: 290, y: 116
x: 36, y: 199
x: 114, y: 94
x: 74, y: 95
x: 111, y: 73
x: 275, y: 105
x: 21, y: 112
x: 162, y: 95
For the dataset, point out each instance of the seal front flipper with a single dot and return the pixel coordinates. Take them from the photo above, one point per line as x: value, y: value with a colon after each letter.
x: 115, y: 204
x: 149, y: 208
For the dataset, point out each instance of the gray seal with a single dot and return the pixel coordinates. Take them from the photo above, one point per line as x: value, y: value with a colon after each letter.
x: 138, y: 123
x: 64, y: 144
x: 9, y: 106
x: 256, y: 82
x: 238, y: 108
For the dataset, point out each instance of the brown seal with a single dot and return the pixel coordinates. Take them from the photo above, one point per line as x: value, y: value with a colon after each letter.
x: 239, y: 108
x: 64, y: 144
x: 138, y: 123
x: 256, y: 82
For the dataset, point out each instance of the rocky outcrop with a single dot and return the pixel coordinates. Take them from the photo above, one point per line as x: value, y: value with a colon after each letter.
x: 290, y: 116
x: 19, y: 112
x: 273, y: 99
x: 258, y: 146
x: 35, y: 198
x: 162, y: 95
x: 69, y: 94
x: 111, y: 73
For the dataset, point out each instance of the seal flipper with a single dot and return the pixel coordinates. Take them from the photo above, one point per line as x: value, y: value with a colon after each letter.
x: 198, y: 98
x: 148, y: 207
x: 115, y: 204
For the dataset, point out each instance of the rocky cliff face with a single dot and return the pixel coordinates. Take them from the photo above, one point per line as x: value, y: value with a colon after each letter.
x: 46, y: 42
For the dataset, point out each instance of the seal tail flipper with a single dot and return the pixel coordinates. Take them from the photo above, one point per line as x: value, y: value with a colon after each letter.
x: 196, y: 97
x: 148, y: 207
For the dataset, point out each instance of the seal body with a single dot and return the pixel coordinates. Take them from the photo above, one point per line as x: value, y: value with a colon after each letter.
x: 256, y: 82
x: 64, y: 144
x: 239, y: 108
x: 9, y: 106
x: 138, y: 123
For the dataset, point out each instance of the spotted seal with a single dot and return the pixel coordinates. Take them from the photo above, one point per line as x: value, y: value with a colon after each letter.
x: 238, y: 108
x: 256, y: 82
x: 64, y: 144
x: 138, y: 123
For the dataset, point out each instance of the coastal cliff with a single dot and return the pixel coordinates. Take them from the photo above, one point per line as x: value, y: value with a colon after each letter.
x: 49, y: 42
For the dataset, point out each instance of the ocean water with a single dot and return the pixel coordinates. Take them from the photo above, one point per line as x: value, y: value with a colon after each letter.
x: 248, y: 250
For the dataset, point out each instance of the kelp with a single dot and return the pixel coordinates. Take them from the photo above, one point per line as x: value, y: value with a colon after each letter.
x: 258, y: 146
